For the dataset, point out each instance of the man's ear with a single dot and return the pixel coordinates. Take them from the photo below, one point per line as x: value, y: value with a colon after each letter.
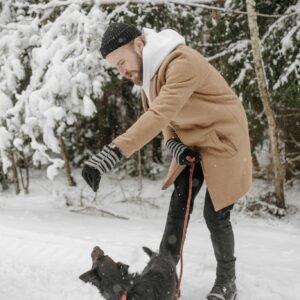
x: 123, y: 268
x: 139, y: 44
x: 91, y: 277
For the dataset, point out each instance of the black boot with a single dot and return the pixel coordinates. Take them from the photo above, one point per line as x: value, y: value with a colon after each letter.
x: 223, y: 291
x: 219, y: 225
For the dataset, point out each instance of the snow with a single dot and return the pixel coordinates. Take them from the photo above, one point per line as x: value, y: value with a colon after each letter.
x: 62, y: 65
x: 54, y: 169
x: 89, y: 107
x: 5, y: 138
x: 292, y: 68
x: 5, y: 104
x: 287, y: 41
x: 44, y: 246
x: 155, y: 1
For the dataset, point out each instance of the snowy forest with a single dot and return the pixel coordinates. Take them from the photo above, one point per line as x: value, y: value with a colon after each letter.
x: 61, y: 102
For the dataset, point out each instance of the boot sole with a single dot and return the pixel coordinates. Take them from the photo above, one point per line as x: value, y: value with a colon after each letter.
x: 234, y: 297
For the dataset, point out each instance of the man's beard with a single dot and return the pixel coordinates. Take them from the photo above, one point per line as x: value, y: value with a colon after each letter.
x: 139, y: 80
x: 137, y: 75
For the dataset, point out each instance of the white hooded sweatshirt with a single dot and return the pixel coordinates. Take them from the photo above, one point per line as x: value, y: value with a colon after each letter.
x: 158, y: 45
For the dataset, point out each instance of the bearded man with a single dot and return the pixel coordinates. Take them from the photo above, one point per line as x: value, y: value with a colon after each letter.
x: 201, y: 118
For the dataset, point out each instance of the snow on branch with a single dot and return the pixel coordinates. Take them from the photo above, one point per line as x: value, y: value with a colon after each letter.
x: 189, y: 2
x: 284, y: 77
x: 51, y: 4
x: 293, y: 10
x: 52, y: 70
x: 121, y: 8
x: 286, y: 34
x: 236, y: 47
x: 225, y: 10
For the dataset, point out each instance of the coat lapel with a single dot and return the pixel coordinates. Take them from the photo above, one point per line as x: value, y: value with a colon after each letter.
x: 144, y: 101
x: 153, y: 89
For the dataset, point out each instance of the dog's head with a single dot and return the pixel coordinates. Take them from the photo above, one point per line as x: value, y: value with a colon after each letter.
x: 110, y: 277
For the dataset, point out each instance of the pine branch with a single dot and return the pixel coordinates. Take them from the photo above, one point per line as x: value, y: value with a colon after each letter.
x: 275, y: 24
x: 51, y: 4
x: 226, y: 51
x: 225, y: 10
x: 121, y: 8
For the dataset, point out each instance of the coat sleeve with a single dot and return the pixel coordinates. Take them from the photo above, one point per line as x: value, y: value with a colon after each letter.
x: 168, y: 133
x: 177, y: 90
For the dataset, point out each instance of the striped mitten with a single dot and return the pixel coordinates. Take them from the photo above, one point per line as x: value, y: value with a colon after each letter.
x: 182, y: 154
x: 99, y: 164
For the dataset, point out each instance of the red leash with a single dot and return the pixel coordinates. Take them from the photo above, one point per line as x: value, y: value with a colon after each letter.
x: 188, y: 206
x: 124, y: 295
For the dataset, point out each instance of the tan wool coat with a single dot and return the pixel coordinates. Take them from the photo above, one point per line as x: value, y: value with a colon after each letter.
x: 191, y: 100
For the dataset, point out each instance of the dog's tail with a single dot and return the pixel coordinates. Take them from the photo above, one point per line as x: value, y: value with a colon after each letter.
x: 149, y: 252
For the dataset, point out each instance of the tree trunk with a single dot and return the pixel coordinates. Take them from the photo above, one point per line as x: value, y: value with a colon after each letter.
x: 156, y: 149
x: 15, y: 173
x: 3, y: 178
x: 70, y: 179
x: 266, y: 99
x: 23, y: 164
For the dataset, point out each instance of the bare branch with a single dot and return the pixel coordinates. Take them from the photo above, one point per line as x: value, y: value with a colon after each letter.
x: 188, y: 2
x: 231, y: 10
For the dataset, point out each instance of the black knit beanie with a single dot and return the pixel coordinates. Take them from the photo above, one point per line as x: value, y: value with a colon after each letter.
x: 117, y: 35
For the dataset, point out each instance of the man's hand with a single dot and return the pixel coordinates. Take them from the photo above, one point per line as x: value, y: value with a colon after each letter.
x: 182, y: 154
x: 99, y: 164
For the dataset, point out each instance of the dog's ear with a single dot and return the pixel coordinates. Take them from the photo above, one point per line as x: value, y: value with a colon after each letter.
x: 149, y: 252
x: 91, y: 276
x: 123, y: 268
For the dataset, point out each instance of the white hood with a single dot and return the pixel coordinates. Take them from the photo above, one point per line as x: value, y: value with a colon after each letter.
x: 157, y: 47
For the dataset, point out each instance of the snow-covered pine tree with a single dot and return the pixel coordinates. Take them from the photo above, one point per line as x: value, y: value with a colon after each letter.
x: 18, y: 36
x: 230, y: 52
x: 281, y: 44
x: 51, y: 71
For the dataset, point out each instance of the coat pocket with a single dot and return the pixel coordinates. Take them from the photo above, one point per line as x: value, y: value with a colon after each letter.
x: 222, y: 147
x: 174, y: 171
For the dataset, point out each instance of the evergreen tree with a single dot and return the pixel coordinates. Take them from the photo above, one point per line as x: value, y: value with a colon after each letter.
x: 53, y: 72
x: 230, y: 52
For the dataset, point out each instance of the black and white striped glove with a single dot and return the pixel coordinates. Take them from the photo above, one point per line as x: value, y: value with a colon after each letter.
x: 99, y: 164
x: 182, y: 154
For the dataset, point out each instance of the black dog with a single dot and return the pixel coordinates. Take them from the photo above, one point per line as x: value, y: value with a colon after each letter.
x: 157, y: 281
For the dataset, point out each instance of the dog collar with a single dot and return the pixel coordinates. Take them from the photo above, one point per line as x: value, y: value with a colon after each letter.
x: 124, y: 295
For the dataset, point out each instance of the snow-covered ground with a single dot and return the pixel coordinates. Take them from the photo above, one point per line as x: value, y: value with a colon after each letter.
x: 44, y: 246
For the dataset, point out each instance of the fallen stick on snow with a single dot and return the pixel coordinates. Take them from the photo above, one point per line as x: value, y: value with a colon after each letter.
x: 92, y: 210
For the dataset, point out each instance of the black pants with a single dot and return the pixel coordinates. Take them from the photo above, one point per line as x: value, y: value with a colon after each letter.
x: 218, y: 224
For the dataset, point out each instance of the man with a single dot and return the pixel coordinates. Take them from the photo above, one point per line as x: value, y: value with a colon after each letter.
x: 190, y: 102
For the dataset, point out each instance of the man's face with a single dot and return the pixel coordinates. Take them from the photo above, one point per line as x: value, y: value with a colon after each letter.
x: 128, y: 60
